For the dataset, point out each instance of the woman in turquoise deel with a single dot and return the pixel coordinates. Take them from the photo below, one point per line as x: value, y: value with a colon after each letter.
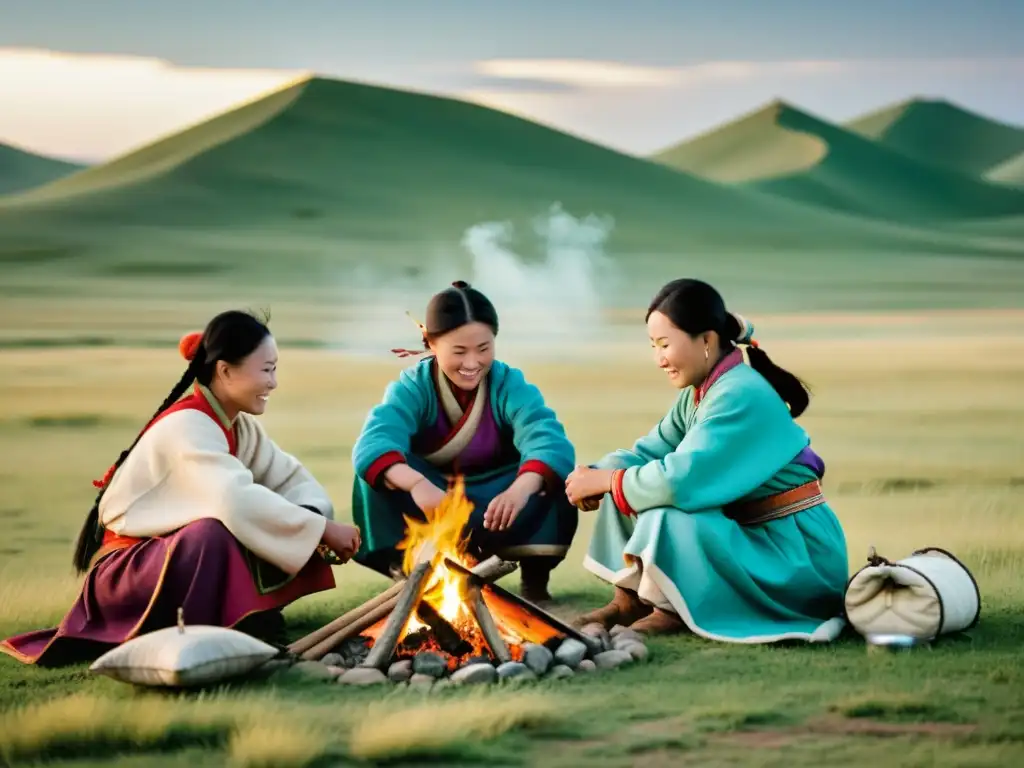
x: 461, y: 412
x: 715, y: 521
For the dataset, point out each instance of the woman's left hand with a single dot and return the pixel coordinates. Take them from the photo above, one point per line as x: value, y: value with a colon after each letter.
x: 505, y: 507
x: 587, y: 483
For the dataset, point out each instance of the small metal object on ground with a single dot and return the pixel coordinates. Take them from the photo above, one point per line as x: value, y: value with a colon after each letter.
x: 895, y: 643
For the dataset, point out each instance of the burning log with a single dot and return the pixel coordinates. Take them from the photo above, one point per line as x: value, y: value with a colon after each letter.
x: 304, y: 644
x: 406, y: 602
x: 494, y: 568
x: 488, y: 628
x: 447, y: 637
x: 592, y: 643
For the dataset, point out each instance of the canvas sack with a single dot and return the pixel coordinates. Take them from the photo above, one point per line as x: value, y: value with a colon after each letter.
x: 928, y: 594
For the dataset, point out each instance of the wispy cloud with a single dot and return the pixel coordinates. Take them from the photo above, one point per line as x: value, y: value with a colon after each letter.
x: 578, y: 72
x: 93, y: 105
x: 582, y: 73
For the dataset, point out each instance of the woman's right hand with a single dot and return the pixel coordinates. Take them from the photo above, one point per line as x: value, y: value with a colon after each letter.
x: 426, y: 495
x: 343, y: 539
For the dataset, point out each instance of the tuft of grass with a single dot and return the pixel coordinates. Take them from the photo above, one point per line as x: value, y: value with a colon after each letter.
x: 896, y: 708
x: 729, y: 719
x: 438, y: 729
x: 82, y: 725
x: 277, y: 745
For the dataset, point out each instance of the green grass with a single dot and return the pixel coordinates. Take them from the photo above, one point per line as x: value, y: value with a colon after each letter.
x: 917, y: 417
x: 21, y: 170
x: 786, y: 152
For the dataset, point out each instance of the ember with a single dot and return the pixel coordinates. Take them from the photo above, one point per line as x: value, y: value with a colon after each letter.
x: 444, y: 614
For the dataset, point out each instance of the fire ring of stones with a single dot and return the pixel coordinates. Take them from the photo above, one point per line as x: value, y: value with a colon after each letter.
x: 470, y: 631
x: 436, y: 670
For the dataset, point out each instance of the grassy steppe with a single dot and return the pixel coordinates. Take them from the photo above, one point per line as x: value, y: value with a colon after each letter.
x: 916, y: 415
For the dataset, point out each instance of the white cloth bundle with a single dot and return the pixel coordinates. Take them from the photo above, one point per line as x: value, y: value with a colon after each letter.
x: 184, y: 656
x: 927, y: 594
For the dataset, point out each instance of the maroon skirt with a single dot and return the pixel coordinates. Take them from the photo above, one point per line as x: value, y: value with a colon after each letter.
x: 200, y: 568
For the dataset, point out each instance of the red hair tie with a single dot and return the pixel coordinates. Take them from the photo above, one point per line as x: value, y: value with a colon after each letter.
x: 189, y: 344
x: 106, y: 478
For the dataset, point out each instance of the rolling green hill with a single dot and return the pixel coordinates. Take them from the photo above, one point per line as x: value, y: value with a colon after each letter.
x: 938, y: 132
x: 340, y: 161
x: 334, y: 191
x: 21, y: 170
x: 784, y: 151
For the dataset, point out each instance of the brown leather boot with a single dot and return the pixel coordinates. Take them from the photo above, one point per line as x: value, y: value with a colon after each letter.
x: 624, y: 609
x: 659, y: 622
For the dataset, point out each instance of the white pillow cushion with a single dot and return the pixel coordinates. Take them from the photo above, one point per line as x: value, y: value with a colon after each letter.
x: 184, y: 656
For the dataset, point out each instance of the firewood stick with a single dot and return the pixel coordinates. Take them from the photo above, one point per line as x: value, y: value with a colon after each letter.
x: 408, y: 599
x: 591, y: 642
x: 304, y: 644
x: 487, y: 626
x: 351, y: 629
x: 485, y: 572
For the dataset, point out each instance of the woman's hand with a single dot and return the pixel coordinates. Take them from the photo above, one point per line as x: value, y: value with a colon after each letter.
x: 426, y: 495
x: 506, y: 506
x: 584, y: 483
x: 342, y: 539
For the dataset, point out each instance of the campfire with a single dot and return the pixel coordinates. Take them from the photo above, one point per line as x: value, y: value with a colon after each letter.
x: 446, y: 617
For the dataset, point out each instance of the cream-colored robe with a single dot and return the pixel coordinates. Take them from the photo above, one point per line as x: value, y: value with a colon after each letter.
x: 181, y: 471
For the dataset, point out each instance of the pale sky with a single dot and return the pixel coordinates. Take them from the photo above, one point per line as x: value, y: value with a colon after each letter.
x: 90, y: 80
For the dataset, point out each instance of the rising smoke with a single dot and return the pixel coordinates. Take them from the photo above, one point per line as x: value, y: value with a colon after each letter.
x: 545, y: 302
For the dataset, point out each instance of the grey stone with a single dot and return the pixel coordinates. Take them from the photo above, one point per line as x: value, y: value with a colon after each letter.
x: 587, y: 665
x: 477, y: 660
x: 612, y: 659
x: 600, y: 633
x: 621, y: 634
x: 312, y: 670
x: 537, y: 658
x: 559, y: 672
x: 421, y: 681
x: 363, y: 676
x: 571, y: 652
x: 440, y: 685
x: 333, y: 660
x: 515, y: 670
x: 475, y: 673
x: 336, y: 671
x: 430, y: 663
x: 354, y: 651
x: 637, y: 650
x: 400, y: 671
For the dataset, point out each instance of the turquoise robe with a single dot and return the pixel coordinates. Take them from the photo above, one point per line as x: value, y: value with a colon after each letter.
x: 517, y: 428
x: 780, y: 580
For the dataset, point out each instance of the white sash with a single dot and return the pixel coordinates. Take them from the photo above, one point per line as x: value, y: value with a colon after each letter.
x: 459, y: 442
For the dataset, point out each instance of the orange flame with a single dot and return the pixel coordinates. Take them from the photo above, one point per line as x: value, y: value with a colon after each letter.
x: 443, y: 527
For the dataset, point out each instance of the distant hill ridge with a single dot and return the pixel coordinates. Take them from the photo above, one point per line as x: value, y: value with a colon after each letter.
x: 337, y: 157
x: 332, y: 170
x: 21, y: 170
x: 785, y: 151
x: 941, y: 133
